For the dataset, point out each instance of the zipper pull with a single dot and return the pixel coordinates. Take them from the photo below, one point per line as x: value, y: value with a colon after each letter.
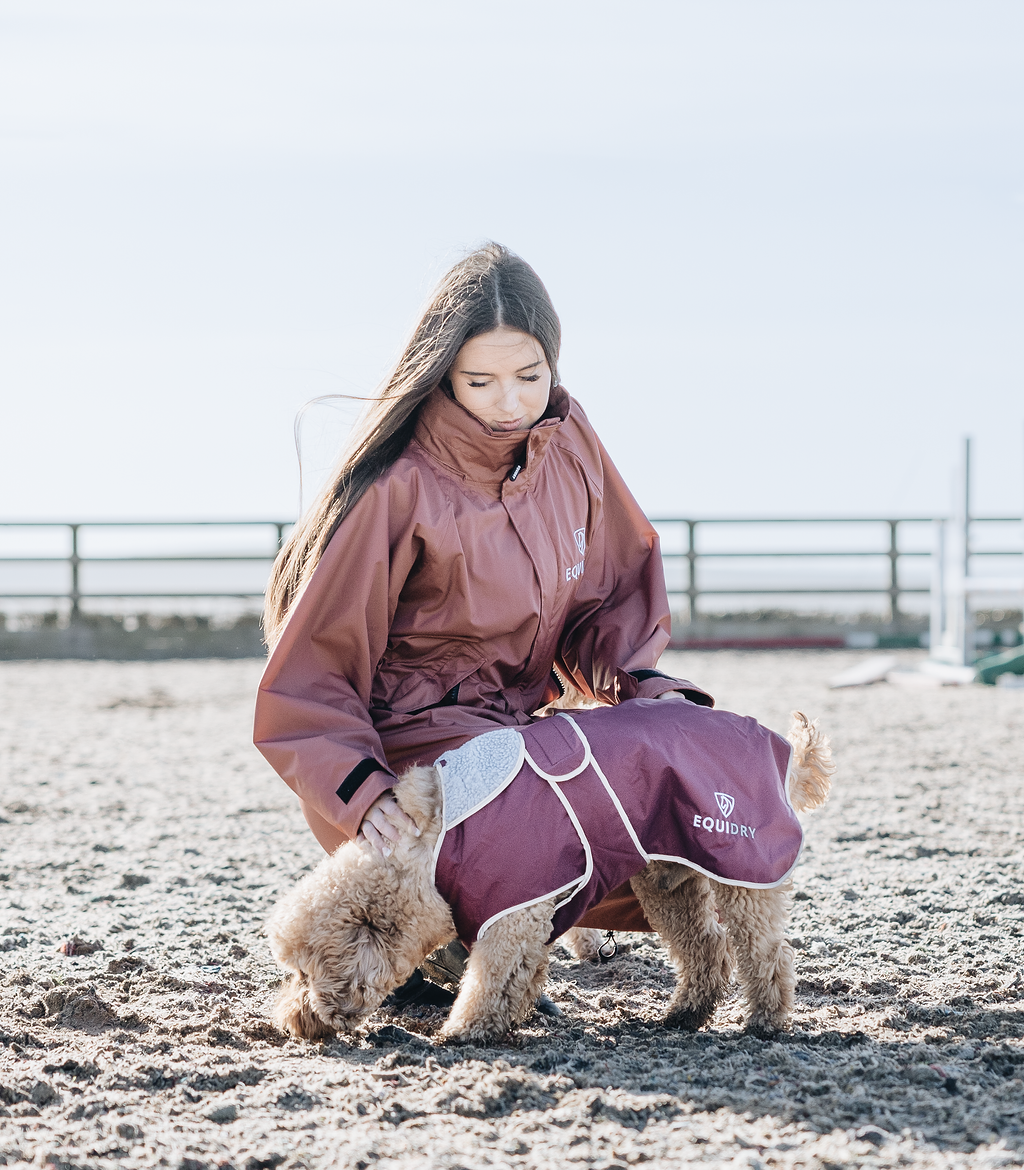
x: 515, y: 472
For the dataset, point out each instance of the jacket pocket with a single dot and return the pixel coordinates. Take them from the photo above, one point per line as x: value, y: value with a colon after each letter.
x: 411, y: 688
x: 450, y: 699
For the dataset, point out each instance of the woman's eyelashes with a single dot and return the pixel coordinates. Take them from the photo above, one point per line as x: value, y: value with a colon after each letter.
x: 522, y: 378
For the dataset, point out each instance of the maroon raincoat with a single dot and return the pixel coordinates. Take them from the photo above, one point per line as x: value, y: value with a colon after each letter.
x: 477, y: 563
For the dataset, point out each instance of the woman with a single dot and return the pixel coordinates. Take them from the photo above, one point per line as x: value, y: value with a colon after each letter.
x: 476, y: 540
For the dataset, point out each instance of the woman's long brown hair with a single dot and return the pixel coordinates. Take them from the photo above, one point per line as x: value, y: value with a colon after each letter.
x: 491, y: 287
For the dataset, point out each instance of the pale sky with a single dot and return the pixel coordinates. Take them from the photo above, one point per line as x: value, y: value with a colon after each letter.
x: 784, y: 238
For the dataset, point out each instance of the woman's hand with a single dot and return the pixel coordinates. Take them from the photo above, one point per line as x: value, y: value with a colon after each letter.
x: 384, y: 824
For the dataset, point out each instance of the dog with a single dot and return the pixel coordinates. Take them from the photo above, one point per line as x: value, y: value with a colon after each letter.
x: 358, y: 926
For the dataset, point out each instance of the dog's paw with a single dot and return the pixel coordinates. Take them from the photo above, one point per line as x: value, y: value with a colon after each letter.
x: 688, y: 1017
x: 472, y: 1032
x: 764, y: 1026
x: 584, y: 943
x: 451, y: 1039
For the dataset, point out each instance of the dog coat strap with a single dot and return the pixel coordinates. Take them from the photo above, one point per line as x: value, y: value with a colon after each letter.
x: 556, y: 748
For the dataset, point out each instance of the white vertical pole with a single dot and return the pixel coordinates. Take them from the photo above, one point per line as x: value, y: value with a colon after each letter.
x: 967, y: 505
x: 937, y: 619
x: 966, y: 612
x: 956, y: 636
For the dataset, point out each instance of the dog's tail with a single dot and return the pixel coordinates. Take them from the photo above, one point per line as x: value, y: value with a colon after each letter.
x: 812, y: 764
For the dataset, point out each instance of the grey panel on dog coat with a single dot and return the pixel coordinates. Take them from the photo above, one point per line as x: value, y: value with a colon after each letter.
x: 474, y: 774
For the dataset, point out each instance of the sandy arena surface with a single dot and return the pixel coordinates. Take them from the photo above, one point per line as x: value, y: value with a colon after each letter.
x: 138, y: 819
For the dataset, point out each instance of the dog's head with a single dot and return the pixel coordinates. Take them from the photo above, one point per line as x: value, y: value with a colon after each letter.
x: 351, y: 932
x: 293, y: 1012
x: 335, y: 986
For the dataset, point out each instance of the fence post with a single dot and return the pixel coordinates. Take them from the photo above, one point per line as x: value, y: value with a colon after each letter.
x: 74, y: 560
x: 280, y: 536
x: 967, y: 646
x: 691, y: 564
x: 894, y: 573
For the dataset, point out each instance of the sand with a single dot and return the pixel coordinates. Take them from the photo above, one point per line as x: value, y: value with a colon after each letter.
x: 138, y: 820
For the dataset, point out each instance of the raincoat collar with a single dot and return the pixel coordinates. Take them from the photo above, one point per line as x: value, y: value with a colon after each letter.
x: 459, y: 440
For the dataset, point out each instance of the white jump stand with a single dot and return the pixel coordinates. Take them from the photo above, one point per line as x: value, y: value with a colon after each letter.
x: 952, y: 637
x: 955, y: 591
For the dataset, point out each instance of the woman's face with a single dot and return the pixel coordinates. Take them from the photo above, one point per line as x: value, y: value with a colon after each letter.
x: 503, y: 378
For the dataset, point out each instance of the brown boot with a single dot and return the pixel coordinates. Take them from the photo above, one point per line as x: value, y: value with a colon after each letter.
x: 446, y: 965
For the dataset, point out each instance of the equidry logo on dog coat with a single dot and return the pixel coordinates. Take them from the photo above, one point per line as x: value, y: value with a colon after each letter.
x: 726, y: 804
x: 574, y: 572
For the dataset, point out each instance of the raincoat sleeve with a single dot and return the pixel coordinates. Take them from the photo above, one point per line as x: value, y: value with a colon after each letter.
x: 312, y: 721
x: 619, y: 623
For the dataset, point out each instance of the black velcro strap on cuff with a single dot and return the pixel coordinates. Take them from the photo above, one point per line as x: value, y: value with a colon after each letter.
x: 699, y: 698
x: 350, y: 785
x: 644, y: 675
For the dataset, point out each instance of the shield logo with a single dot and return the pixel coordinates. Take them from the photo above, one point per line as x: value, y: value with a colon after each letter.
x: 725, y: 802
x: 580, y: 536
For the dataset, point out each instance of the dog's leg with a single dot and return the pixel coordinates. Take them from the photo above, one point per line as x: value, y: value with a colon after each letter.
x: 680, y: 906
x: 585, y: 942
x: 504, y: 977
x: 756, y: 921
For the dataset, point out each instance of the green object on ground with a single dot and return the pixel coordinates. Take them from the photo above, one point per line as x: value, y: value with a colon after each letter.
x: 1008, y: 662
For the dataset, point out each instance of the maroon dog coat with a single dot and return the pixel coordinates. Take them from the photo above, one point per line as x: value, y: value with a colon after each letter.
x: 573, y: 806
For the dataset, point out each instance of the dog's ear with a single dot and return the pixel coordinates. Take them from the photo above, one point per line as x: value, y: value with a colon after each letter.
x: 293, y: 1012
x: 418, y: 794
x: 363, y: 966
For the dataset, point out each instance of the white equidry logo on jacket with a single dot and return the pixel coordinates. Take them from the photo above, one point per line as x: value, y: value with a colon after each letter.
x: 726, y: 804
x: 574, y: 572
